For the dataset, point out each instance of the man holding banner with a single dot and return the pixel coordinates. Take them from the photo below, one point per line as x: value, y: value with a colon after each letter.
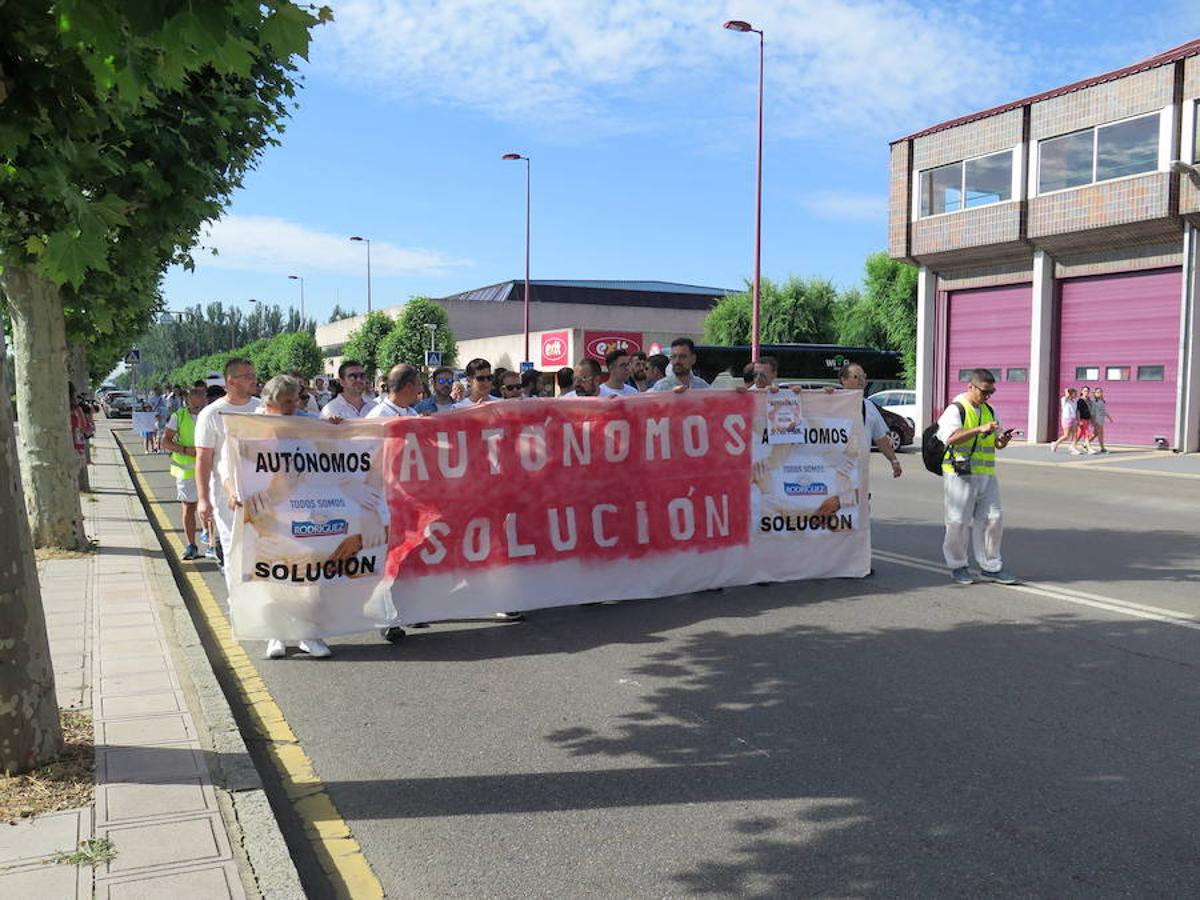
x: 214, y: 471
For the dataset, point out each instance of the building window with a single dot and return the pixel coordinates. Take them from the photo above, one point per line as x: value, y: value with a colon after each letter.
x: 1065, y: 162
x: 1102, y: 153
x: 964, y: 185
x: 1018, y: 375
x: 1150, y: 373
x: 987, y: 179
x: 1127, y: 148
x: 965, y: 374
x: 1087, y: 373
x: 941, y: 190
x: 1116, y: 373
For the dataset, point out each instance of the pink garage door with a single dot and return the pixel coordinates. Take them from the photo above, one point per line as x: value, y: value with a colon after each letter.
x: 1121, y: 333
x: 989, y: 329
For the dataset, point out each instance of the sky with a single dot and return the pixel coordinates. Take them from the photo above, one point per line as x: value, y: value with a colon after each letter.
x: 639, y: 117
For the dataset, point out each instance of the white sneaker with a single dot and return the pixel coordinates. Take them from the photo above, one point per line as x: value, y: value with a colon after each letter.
x: 1076, y: 452
x: 276, y: 649
x: 316, y: 648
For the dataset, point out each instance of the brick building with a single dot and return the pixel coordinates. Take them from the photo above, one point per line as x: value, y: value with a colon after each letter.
x: 1058, y: 239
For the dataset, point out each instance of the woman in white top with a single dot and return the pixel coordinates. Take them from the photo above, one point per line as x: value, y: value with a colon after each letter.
x: 1069, y: 420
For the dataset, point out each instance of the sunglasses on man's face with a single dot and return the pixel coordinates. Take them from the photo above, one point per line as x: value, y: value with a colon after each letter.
x: 485, y: 377
x: 987, y: 392
x: 510, y: 387
x: 444, y: 380
x: 356, y: 375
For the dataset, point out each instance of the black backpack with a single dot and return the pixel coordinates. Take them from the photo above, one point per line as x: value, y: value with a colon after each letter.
x: 933, y: 451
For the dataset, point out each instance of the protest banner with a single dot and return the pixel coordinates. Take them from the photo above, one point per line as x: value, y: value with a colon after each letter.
x: 143, y: 422
x: 537, y: 503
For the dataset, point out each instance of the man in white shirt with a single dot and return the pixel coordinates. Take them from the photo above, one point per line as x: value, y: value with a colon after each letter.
x: 854, y: 378
x: 403, y: 383
x: 683, y: 359
x: 320, y: 393
x: 617, y: 362
x: 479, y: 379
x: 587, y: 379
x: 212, y: 462
x: 350, y: 403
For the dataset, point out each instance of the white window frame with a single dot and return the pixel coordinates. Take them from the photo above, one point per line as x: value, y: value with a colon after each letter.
x: 1014, y: 189
x: 1165, y: 141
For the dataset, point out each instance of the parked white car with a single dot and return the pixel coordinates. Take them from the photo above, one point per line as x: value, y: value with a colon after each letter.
x: 903, y: 403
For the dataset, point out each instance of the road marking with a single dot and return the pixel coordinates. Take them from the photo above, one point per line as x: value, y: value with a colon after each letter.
x: 338, y: 852
x: 1067, y: 595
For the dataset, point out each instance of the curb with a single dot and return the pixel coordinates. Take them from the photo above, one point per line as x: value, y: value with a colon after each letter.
x: 247, y: 812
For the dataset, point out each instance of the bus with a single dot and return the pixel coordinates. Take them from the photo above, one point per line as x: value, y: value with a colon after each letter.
x: 801, y: 364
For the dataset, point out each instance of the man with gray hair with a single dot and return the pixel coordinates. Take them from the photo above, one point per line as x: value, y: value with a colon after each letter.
x: 403, y: 383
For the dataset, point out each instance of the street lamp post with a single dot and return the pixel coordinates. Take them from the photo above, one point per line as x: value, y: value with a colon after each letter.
x: 300, y: 278
x: 527, y: 206
x: 737, y: 25
x: 366, y: 241
x: 233, y: 326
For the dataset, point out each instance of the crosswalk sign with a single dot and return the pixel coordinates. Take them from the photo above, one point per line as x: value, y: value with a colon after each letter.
x: 433, y: 358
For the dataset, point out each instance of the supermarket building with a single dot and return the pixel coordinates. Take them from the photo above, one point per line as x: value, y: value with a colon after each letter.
x: 1057, y: 239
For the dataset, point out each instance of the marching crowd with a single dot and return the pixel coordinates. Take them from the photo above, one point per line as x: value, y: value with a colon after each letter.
x: 190, y: 426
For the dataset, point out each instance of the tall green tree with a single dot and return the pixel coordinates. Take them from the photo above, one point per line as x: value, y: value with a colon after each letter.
x: 363, y: 343
x: 409, y: 338
x: 889, y: 291
x: 124, y: 126
x: 800, y: 310
x: 338, y: 314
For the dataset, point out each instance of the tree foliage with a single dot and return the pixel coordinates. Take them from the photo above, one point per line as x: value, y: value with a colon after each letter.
x: 124, y: 126
x: 409, y: 338
x: 886, y: 311
x: 337, y: 314
x: 177, y: 337
x: 292, y: 351
x: 363, y: 343
x: 800, y: 310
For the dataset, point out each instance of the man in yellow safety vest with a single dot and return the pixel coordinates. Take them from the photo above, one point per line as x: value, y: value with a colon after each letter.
x: 180, y: 440
x: 972, y: 436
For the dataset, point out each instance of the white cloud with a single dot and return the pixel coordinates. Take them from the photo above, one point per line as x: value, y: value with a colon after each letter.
x: 268, y: 244
x: 877, y: 65
x: 850, y: 206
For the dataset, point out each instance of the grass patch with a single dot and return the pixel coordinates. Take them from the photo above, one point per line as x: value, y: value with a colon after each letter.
x: 67, y: 783
x: 92, y: 852
x: 41, y: 554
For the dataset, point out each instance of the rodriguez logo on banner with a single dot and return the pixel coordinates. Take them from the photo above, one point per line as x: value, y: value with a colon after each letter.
x: 539, y: 503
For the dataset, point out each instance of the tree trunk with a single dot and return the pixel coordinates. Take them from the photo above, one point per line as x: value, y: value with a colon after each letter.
x: 47, y: 451
x: 80, y: 381
x: 30, y: 734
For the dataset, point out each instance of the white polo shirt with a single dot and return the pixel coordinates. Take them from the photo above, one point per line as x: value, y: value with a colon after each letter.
x: 339, y: 407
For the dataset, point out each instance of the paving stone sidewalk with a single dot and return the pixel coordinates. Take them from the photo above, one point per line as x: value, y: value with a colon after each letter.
x: 155, y: 798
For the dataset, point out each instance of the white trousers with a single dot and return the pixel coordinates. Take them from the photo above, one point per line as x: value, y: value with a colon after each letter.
x: 973, y: 505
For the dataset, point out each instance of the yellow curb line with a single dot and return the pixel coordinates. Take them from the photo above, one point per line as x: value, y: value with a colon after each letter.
x: 338, y: 852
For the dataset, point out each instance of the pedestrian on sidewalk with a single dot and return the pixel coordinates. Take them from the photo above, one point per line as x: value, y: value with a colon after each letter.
x: 180, y: 441
x: 1068, y: 415
x: 214, y: 498
x: 971, y: 493
x: 1100, y: 415
x: 1084, y: 406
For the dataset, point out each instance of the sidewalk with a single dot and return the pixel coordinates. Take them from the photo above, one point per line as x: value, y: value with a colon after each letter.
x: 1128, y: 460
x: 176, y: 795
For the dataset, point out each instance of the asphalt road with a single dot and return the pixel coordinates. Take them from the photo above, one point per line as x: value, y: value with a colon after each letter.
x: 894, y: 736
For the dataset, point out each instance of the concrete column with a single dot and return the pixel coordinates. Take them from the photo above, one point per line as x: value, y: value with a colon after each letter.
x: 926, y: 300
x: 1187, y: 409
x: 1042, y: 423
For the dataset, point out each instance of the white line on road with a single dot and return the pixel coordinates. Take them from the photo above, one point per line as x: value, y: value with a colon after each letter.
x: 1067, y: 595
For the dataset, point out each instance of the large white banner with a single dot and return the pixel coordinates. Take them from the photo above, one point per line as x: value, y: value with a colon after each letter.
x: 517, y: 505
